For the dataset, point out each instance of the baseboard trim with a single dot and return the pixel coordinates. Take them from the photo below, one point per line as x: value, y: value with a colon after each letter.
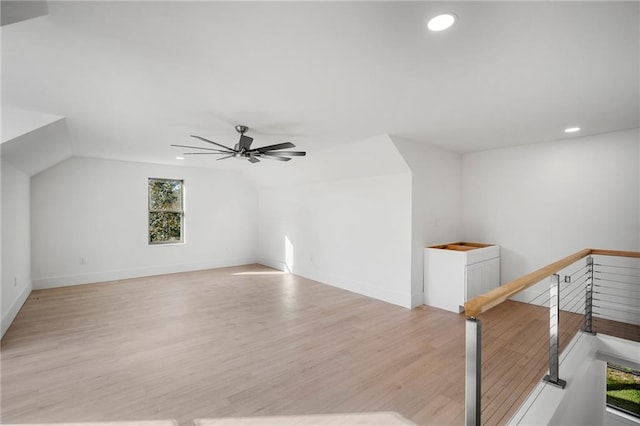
x: 275, y: 264
x: 417, y: 299
x: 79, y: 279
x: 7, y: 319
x: 366, y: 289
x: 359, y: 287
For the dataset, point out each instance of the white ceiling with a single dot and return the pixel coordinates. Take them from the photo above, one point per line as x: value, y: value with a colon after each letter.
x: 132, y: 78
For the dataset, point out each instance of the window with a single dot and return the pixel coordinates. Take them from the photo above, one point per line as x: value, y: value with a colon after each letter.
x: 166, y: 211
x: 623, y: 389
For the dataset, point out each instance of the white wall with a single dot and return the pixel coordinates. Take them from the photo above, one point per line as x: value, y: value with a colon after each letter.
x: 436, y: 203
x: 345, y: 217
x: 16, y: 256
x: 89, y: 222
x: 352, y: 233
x: 545, y: 201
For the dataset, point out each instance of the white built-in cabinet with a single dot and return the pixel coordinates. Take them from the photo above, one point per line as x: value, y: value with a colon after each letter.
x: 457, y: 272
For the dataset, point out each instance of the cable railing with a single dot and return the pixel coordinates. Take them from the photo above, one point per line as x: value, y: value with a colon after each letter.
x: 592, y: 290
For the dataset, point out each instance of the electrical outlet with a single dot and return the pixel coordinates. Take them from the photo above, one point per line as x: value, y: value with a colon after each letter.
x: 15, y: 281
x: 83, y: 260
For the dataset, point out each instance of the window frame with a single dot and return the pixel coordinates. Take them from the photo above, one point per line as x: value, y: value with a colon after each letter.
x: 181, y: 211
x: 617, y: 409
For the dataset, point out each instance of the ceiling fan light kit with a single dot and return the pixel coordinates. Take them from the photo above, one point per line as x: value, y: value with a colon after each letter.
x: 243, y: 150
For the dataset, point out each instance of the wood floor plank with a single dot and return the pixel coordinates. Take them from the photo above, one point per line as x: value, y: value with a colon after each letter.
x: 617, y: 329
x: 251, y: 341
x: 516, y: 361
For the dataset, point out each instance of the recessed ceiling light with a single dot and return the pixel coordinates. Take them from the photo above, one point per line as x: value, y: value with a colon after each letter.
x: 441, y: 22
x: 572, y: 129
x: 179, y: 158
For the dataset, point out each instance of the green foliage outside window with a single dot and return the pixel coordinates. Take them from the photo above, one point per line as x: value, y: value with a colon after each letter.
x: 165, y: 211
x: 623, y: 389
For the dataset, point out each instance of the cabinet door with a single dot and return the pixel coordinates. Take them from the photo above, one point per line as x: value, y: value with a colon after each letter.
x: 482, y: 277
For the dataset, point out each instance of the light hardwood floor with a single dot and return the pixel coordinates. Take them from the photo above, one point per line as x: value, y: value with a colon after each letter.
x: 250, y: 341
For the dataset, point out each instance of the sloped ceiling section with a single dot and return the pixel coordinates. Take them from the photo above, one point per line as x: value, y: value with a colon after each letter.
x: 33, y: 141
x: 18, y: 122
x: 376, y: 156
x: 17, y: 11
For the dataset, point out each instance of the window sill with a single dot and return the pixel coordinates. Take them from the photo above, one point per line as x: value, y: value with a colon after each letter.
x: 627, y: 418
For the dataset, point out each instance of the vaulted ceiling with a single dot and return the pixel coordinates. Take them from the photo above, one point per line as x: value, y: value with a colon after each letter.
x: 131, y: 78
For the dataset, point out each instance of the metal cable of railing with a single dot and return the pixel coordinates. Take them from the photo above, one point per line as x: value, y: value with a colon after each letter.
x: 572, y: 285
x: 578, y: 300
x: 617, y: 266
x: 541, y: 294
x: 609, y: 280
x: 614, y: 273
x: 571, y: 292
x: 631, y: 290
x: 575, y: 294
x: 616, y: 294
x: 590, y: 294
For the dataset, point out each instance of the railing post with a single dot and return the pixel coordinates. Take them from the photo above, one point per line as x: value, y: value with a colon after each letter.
x: 554, y: 333
x: 588, y: 298
x: 473, y: 364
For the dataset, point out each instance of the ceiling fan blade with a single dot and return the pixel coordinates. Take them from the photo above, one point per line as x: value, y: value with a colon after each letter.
x: 288, y: 153
x: 283, y: 145
x: 208, y: 153
x: 215, y: 143
x: 253, y: 159
x: 226, y: 156
x: 275, y: 157
x: 198, y: 147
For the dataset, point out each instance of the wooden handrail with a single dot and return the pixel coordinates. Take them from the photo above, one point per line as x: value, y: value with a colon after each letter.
x: 496, y: 296
x: 616, y: 253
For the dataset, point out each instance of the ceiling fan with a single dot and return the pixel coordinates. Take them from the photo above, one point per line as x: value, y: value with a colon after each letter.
x: 243, y: 149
